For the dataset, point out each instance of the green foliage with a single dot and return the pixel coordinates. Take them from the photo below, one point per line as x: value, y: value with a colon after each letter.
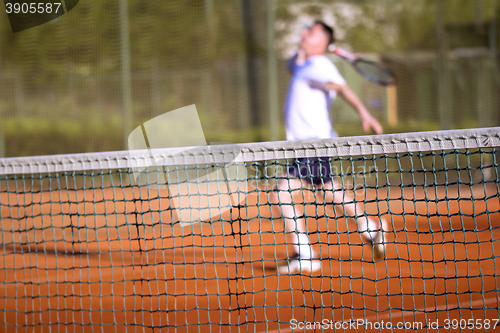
x: 182, y: 34
x: 174, y: 31
x: 386, y: 25
x: 467, y: 11
x: 36, y: 136
x: 44, y: 136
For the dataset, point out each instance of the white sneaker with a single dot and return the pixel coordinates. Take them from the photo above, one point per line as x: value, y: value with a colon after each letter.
x: 297, y: 264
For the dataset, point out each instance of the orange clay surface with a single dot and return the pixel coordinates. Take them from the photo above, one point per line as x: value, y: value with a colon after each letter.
x: 211, y: 277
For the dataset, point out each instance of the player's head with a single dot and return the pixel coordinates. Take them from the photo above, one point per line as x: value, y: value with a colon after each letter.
x: 315, y: 40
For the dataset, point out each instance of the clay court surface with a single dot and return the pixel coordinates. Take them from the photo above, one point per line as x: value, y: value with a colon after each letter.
x: 442, y: 262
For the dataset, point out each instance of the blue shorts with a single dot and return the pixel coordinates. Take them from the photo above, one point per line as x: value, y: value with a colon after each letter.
x: 314, y: 170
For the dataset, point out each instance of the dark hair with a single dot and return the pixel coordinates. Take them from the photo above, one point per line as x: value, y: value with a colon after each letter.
x: 327, y: 30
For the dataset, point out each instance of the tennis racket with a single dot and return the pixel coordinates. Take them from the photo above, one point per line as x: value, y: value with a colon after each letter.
x: 372, y: 71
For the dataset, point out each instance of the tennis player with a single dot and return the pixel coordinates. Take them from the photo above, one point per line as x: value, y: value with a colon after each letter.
x: 314, y: 84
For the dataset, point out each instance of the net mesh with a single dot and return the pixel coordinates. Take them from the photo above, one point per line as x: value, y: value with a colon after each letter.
x: 192, y: 239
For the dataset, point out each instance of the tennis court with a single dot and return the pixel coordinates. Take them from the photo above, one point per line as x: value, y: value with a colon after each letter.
x: 103, y: 255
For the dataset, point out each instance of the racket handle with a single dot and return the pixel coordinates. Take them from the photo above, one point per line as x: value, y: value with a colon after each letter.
x: 343, y: 53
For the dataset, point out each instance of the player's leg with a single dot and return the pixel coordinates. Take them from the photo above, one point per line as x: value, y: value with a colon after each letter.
x: 304, y: 258
x: 370, y: 229
x: 282, y: 199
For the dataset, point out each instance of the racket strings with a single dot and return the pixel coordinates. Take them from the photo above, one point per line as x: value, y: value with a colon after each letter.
x: 375, y: 72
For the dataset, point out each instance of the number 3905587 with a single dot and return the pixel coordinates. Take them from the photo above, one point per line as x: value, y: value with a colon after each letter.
x: 479, y: 323
x: 32, y: 8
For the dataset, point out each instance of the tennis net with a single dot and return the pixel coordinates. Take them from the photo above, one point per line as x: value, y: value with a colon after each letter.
x: 194, y: 240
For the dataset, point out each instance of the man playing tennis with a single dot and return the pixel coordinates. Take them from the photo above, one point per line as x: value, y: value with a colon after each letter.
x: 314, y: 84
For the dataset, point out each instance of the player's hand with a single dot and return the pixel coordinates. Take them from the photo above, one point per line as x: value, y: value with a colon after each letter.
x: 368, y: 122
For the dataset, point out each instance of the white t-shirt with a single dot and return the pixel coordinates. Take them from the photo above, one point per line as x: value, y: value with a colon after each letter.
x: 307, y: 101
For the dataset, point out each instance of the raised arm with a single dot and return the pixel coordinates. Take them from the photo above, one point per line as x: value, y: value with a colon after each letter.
x: 367, y: 120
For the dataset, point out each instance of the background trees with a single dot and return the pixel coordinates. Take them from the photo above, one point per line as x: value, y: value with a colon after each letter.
x: 66, y: 74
